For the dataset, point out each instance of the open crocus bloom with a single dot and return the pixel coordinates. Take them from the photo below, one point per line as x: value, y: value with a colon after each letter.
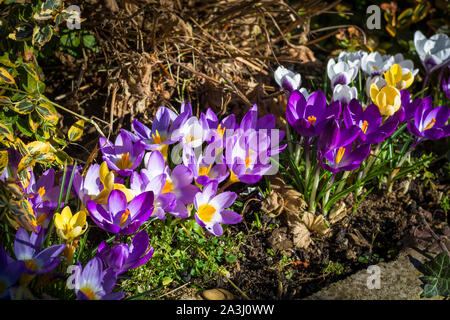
x: 10, y: 272
x: 120, y: 217
x: 308, y: 118
x: 387, y: 99
x: 375, y: 64
x: 340, y: 72
x: 28, y: 249
x: 335, y: 144
x: 107, y: 179
x: 352, y: 58
x: 377, y: 80
x: 158, y: 136
x: 68, y: 226
x: 123, y: 156
x: 247, y: 156
x: 433, y: 52
x: 287, y: 79
x: 406, y: 64
x: 344, y: 93
x: 95, y: 283
x: 429, y: 123
x: 122, y: 257
x: 396, y: 78
x: 210, y: 209
x: 369, y: 120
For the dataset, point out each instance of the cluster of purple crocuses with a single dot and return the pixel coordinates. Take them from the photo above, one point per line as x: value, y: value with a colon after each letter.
x: 181, y: 166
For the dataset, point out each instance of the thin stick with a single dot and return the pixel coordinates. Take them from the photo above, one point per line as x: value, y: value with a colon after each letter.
x: 435, y: 236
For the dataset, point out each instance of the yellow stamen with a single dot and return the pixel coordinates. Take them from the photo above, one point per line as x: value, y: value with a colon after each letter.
x: 203, y: 171
x: 340, y: 155
x: 220, y: 131
x: 375, y: 68
x: 430, y: 124
x: 157, y: 138
x: 168, y: 187
x: 190, y: 138
x: 89, y: 293
x: 124, y: 162
x: 312, y: 120
x: 31, y: 265
x: 247, y: 162
x: 233, y: 178
x: 364, y: 126
x: 206, y: 212
x: 41, y: 191
x: 124, y: 217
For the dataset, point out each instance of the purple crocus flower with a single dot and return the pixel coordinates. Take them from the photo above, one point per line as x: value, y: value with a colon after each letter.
x: 155, y: 180
x: 88, y: 188
x: 335, y: 145
x: 446, y: 86
x: 408, y: 108
x: 120, y: 217
x: 309, y: 117
x: 95, y: 283
x: 10, y: 272
x: 204, y: 169
x: 369, y: 120
x: 210, y: 209
x: 123, y: 156
x: 122, y: 257
x: 28, y: 249
x: 429, y: 123
x: 247, y: 156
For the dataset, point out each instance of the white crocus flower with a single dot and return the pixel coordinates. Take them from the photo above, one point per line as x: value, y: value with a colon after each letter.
x: 377, y: 80
x: 375, y: 64
x: 352, y: 58
x: 433, y: 52
x: 340, y: 72
x: 287, y: 79
x: 305, y: 93
x: 406, y: 64
x: 344, y: 93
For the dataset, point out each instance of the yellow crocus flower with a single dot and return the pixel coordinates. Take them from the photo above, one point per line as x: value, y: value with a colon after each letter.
x: 387, y: 99
x: 395, y: 77
x: 107, y: 179
x: 68, y: 226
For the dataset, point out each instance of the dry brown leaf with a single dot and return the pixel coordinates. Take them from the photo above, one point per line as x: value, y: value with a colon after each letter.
x: 301, y: 236
x: 273, y: 204
x: 315, y: 223
x: 337, y: 213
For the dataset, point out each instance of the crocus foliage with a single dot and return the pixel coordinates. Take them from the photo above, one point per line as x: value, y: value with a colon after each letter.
x: 180, y: 167
x: 338, y: 134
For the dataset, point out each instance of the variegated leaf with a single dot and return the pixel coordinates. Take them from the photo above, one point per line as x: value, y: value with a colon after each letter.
x: 23, y: 107
x: 5, y: 101
x: 5, y: 76
x: 76, y: 130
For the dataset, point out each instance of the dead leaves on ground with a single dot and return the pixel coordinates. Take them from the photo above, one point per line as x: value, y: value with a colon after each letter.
x: 301, y: 223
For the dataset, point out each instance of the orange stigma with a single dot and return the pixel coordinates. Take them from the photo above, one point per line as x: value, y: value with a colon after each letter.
x: 124, y: 162
x: 340, y: 154
x: 124, y: 217
x: 430, y: 124
x: 206, y: 212
x: 312, y: 120
x: 364, y: 126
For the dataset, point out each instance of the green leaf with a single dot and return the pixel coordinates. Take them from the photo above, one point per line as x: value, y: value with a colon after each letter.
x: 7, y: 132
x: 51, y: 5
x: 166, y: 281
x: 90, y: 42
x: 5, y: 101
x: 31, y: 70
x: 230, y: 258
x: 6, y: 77
x: 22, y: 33
x: 76, y: 131
x: 42, y: 35
x: 23, y: 107
x: 437, y: 276
x: 47, y: 112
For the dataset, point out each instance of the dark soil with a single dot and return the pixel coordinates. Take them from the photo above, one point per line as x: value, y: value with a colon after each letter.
x: 380, y: 228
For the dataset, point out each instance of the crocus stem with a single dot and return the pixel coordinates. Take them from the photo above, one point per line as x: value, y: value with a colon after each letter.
x: 308, y: 162
x: 371, y: 161
x: 298, y: 149
x: 425, y: 81
x: 327, y: 194
x: 396, y: 170
x: 312, y: 198
x: 288, y: 135
x: 343, y: 181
